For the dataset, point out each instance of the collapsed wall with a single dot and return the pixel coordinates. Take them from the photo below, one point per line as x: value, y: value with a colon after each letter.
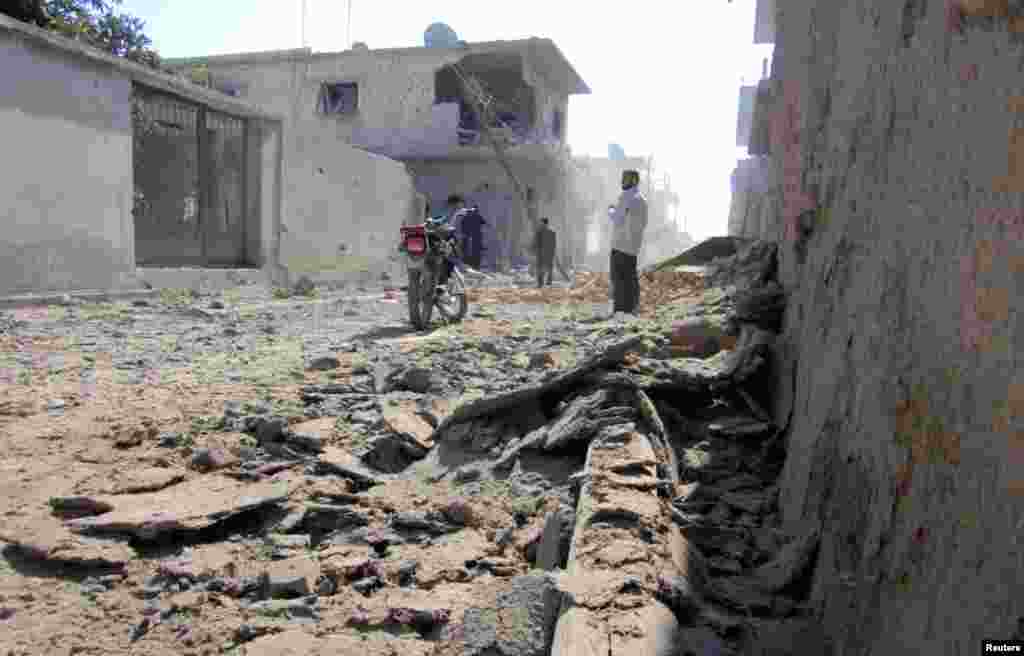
x: 898, y: 223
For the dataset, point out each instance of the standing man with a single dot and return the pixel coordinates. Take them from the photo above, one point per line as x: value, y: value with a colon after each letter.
x: 544, y: 247
x: 472, y: 226
x: 629, y: 220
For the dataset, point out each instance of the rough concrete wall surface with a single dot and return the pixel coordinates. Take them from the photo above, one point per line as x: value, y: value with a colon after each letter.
x: 62, y: 119
x: 341, y: 206
x: 906, y: 434
x: 344, y: 208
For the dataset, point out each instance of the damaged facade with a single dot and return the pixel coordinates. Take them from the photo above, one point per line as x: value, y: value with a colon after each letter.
x: 399, y: 117
x: 752, y: 207
x: 119, y: 166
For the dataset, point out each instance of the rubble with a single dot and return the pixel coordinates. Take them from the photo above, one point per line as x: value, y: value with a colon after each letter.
x: 619, y: 502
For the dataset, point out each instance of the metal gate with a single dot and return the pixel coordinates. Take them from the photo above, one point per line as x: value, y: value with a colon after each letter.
x: 190, y: 177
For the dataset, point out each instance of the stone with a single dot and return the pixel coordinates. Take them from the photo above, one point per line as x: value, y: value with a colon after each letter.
x: 324, y: 363
x: 575, y: 422
x: 368, y: 585
x: 169, y: 440
x: 329, y: 517
x: 417, y: 522
x: 519, y: 622
x: 393, y: 453
x: 304, y: 286
x: 145, y: 479
x: 341, y: 463
x: 209, y: 459
x: 80, y: 506
x: 196, y: 504
x: 504, y: 536
x: 289, y: 586
x: 458, y: 512
x: 549, y: 551
x: 407, y: 573
x: 697, y: 338
x: 305, y: 441
x: 271, y: 429
x: 403, y: 418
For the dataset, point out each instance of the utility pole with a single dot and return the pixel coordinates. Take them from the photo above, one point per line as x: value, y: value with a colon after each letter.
x: 348, y: 26
x: 302, y: 22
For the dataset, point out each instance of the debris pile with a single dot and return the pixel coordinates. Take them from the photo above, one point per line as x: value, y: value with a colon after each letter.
x: 640, y: 481
x: 656, y: 289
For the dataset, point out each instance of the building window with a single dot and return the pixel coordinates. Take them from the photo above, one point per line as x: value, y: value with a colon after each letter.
x: 556, y: 124
x: 339, y: 98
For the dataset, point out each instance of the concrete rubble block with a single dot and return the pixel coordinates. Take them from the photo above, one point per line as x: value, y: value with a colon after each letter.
x: 47, y: 539
x: 292, y: 577
x: 403, y: 418
x: 145, y: 479
x: 561, y: 382
x: 519, y: 622
x: 698, y: 337
x: 575, y: 422
x: 624, y: 548
x: 392, y: 453
x: 328, y: 517
x: 191, y: 506
x: 339, y: 462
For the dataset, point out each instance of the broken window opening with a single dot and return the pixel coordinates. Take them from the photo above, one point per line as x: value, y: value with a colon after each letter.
x: 513, y: 101
x: 340, y: 98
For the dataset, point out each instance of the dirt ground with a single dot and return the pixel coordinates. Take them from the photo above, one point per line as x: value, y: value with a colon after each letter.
x: 71, y: 425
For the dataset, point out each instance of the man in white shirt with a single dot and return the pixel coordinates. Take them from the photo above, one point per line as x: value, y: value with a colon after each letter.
x: 629, y: 220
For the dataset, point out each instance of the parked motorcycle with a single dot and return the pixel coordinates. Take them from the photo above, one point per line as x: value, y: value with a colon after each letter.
x: 435, y: 272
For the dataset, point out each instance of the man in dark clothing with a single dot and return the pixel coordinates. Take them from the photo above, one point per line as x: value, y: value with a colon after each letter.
x: 544, y: 247
x: 472, y: 226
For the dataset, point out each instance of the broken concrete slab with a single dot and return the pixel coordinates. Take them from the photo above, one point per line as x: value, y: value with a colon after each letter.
x: 612, y: 355
x: 519, y: 622
x: 403, y: 418
x: 47, y: 539
x: 341, y: 463
x: 195, y: 505
x: 146, y: 479
x: 296, y: 642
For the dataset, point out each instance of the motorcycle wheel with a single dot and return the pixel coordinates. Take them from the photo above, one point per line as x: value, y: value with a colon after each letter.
x: 419, y: 306
x: 453, y: 304
x: 427, y: 296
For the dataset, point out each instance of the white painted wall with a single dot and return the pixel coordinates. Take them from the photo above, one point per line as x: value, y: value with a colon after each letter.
x: 65, y: 130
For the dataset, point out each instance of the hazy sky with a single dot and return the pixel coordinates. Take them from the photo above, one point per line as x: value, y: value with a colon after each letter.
x: 665, y: 76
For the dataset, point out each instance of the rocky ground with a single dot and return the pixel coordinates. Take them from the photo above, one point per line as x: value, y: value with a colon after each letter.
x: 242, y: 473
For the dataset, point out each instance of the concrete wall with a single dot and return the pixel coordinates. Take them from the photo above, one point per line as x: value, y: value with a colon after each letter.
x: 67, y: 135
x: 745, y: 115
x: 66, y: 132
x: 897, y: 123
x: 341, y: 206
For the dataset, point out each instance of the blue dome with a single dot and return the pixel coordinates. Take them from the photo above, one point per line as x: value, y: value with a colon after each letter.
x: 615, y: 152
x: 439, y: 35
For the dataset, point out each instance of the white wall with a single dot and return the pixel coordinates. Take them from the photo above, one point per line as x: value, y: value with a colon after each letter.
x: 65, y: 130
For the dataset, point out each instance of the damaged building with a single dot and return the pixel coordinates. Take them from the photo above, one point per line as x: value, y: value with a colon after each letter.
x: 403, y: 113
x: 114, y: 167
